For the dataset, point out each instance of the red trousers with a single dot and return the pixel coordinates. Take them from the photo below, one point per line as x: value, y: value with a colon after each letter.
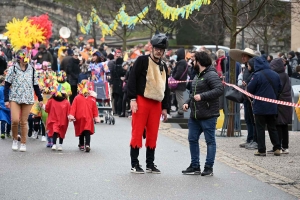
x: 147, y: 116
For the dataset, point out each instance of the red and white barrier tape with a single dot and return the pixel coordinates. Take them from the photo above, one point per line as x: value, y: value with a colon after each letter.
x: 263, y: 98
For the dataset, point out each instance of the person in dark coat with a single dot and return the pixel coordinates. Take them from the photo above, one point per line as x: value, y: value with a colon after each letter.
x: 117, y: 72
x: 73, y: 71
x: 43, y: 55
x: 285, y: 113
x: 296, y: 74
x: 265, y: 83
x: 204, y: 104
x: 3, y: 64
x: 180, y: 74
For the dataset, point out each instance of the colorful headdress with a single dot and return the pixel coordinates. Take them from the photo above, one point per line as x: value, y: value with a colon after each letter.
x: 48, y: 81
x: 22, y: 55
x: 23, y: 33
x: 61, y: 76
x: 84, y: 87
x: 58, y: 90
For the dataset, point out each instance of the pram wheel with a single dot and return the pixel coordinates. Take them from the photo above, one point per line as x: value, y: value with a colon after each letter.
x: 109, y: 121
x: 113, y: 121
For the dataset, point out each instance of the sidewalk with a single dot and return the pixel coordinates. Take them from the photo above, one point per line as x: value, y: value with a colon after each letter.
x: 104, y: 173
x: 282, y: 172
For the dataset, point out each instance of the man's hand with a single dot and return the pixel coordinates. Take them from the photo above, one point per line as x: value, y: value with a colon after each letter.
x: 164, y: 114
x: 133, y: 106
x: 7, y: 104
x: 197, y: 97
x: 185, y: 107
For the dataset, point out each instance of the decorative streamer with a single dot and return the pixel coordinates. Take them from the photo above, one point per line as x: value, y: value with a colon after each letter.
x: 172, y: 13
x: 130, y: 21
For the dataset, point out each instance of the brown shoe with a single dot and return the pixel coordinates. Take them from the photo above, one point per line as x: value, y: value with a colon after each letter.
x: 277, y: 152
x: 259, y: 154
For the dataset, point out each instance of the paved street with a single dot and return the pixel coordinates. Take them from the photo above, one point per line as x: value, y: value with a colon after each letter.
x: 104, y: 173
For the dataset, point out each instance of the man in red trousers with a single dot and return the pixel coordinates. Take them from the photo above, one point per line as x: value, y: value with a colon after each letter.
x: 148, y: 92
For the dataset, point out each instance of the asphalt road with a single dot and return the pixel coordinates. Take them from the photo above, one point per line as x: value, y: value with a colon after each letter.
x: 104, y: 173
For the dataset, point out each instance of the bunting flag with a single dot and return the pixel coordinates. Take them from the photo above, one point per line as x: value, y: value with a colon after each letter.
x: 172, y: 13
x: 130, y: 21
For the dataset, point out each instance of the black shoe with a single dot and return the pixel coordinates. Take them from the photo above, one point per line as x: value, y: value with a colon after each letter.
x: 208, y: 171
x: 122, y: 115
x: 153, y: 169
x: 192, y: 171
x: 137, y: 169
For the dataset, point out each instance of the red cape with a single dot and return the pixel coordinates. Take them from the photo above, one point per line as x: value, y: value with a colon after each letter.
x: 84, y: 109
x: 57, y: 117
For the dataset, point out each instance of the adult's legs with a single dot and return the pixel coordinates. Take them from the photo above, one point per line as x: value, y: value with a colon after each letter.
x: 247, y: 115
x: 285, y: 136
x: 25, y: 110
x: 74, y: 93
x: 30, y: 124
x: 124, y: 101
x: 116, y: 99
x: 180, y: 100
x: 271, y: 124
x: 193, y: 136
x: 260, y: 122
x: 15, y: 118
x: 209, y: 128
x: 119, y: 104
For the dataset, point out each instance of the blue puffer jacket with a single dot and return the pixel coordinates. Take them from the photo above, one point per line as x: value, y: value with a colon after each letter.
x: 260, y: 86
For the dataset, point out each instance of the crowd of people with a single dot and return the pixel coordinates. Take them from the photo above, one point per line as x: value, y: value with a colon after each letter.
x: 47, y: 81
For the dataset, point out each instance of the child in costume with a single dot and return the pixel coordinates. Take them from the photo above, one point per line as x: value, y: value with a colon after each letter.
x: 4, y: 113
x: 62, y: 79
x: 84, y: 113
x: 58, y: 108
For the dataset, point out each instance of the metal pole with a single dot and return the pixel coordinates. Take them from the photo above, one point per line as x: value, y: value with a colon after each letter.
x: 243, y: 39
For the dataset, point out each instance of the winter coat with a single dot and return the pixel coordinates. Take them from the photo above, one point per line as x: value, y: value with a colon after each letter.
x: 293, y: 63
x: 285, y: 113
x: 84, y: 110
x: 46, y: 56
x: 295, y: 75
x: 208, y: 84
x: 180, y: 70
x: 260, y: 86
x: 73, y: 71
x: 117, y: 72
x: 3, y: 65
x: 65, y: 62
x: 4, y: 112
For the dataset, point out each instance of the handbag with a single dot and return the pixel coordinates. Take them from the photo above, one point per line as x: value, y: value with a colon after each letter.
x: 174, y: 83
x: 234, y: 95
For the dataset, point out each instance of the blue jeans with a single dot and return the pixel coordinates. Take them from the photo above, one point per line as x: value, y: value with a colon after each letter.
x: 196, y: 127
x: 5, y: 127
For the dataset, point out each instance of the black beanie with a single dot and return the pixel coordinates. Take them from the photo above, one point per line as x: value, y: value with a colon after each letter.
x: 292, y: 53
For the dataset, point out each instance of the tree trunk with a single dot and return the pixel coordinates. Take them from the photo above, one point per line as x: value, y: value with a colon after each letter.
x: 94, y: 35
x: 232, y: 79
x: 124, y: 38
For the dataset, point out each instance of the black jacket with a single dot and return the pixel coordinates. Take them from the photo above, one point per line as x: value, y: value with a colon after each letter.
x: 116, y: 73
x: 45, y: 56
x: 180, y: 70
x: 209, y: 86
x: 64, y: 63
x: 137, y: 80
x: 73, y: 71
x: 3, y: 65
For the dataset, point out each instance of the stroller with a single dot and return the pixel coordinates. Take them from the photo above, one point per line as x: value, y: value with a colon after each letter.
x: 104, y: 103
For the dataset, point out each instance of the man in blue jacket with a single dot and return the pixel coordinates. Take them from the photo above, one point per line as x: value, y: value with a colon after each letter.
x: 265, y: 83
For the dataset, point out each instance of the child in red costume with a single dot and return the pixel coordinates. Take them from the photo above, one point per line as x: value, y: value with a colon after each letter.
x: 58, y: 108
x: 83, y: 113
